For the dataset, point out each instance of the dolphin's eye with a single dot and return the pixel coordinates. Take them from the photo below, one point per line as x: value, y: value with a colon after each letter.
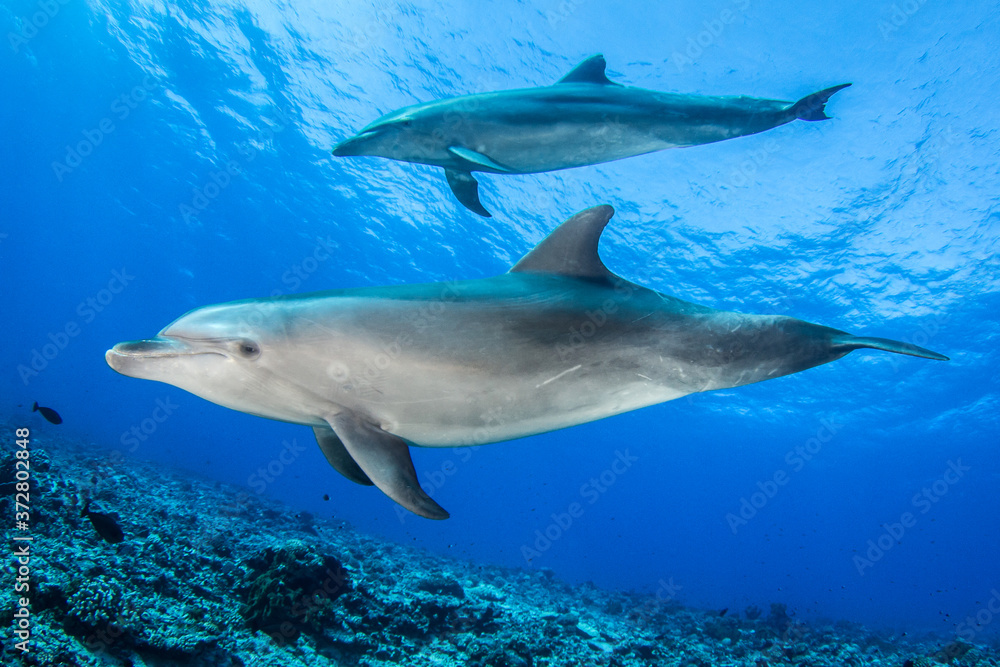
x: 406, y: 123
x: 249, y: 349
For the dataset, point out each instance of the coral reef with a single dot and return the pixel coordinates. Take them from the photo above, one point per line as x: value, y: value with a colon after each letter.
x: 96, y: 603
x: 256, y: 583
x: 291, y: 589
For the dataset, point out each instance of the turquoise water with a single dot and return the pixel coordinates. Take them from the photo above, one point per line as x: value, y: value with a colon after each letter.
x: 165, y: 157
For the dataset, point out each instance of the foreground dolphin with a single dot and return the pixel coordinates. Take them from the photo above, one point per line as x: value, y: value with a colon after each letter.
x: 583, y: 119
x: 557, y: 341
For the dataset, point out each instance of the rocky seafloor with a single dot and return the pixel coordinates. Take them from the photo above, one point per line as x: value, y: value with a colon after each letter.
x: 208, y: 575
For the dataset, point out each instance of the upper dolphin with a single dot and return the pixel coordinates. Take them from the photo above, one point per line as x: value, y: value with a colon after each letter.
x: 582, y: 119
x: 557, y: 341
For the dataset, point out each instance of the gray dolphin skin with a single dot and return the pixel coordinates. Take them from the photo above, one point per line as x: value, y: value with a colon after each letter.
x: 583, y: 119
x: 557, y: 341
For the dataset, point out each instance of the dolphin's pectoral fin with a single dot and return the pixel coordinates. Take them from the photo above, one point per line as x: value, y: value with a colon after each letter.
x: 478, y: 159
x: 813, y: 107
x: 335, y: 452
x: 466, y: 190
x: 571, y: 248
x: 590, y: 70
x: 385, y: 459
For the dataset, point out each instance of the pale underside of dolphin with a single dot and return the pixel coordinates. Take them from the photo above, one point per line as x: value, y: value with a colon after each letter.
x: 583, y: 119
x: 557, y: 341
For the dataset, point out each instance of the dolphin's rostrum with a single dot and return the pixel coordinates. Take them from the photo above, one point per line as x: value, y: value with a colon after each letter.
x: 582, y: 119
x: 557, y: 341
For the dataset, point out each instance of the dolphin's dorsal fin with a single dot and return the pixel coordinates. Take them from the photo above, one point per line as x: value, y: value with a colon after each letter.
x: 571, y: 248
x: 590, y: 70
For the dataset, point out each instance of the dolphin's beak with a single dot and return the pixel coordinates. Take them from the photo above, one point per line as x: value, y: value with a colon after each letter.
x: 125, y: 356
x: 356, y: 145
x: 152, y: 347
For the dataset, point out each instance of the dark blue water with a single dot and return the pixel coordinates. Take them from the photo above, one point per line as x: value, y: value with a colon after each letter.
x: 158, y: 158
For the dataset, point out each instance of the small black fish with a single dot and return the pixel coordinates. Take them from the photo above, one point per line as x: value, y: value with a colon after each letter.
x: 326, y: 496
x: 106, y: 525
x: 723, y: 612
x: 50, y: 414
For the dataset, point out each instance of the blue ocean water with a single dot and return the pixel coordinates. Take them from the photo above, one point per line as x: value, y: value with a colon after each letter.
x: 165, y: 156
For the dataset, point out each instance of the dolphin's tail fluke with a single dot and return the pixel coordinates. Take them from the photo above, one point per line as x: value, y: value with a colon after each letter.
x: 813, y: 107
x: 847, y: 342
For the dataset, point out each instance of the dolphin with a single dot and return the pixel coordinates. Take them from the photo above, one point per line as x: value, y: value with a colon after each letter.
x: 584, y: 118
x: 557, y: 341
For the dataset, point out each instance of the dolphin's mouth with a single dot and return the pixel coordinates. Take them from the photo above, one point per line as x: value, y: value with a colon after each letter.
x: 151, y: 348
x: 354, y: 145
x: 124, y: 357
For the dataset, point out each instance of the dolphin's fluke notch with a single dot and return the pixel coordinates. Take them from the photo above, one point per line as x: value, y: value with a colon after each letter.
x: 813, y: 107
x: 847, y: 343
x: 465, y: 187
x: 385, y: 460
